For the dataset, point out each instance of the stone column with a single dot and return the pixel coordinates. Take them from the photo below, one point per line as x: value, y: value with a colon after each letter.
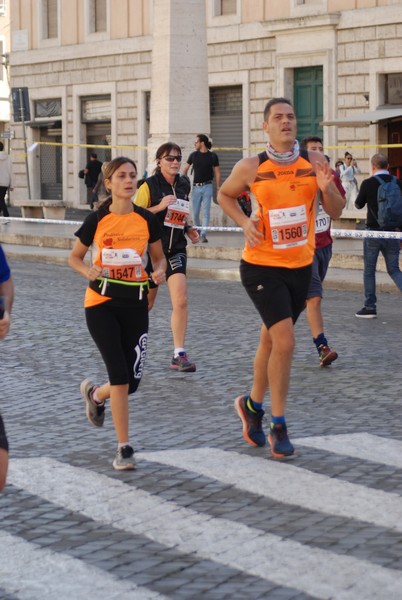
x: 179, y: 94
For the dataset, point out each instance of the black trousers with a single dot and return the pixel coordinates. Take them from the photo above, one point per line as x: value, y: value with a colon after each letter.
x: 3, y: 205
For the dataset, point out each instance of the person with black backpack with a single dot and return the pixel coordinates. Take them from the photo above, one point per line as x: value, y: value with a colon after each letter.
x: 382, y: 193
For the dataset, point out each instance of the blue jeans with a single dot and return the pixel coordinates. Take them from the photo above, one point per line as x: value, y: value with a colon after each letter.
x: 201, y: 196
x: 390, y: 251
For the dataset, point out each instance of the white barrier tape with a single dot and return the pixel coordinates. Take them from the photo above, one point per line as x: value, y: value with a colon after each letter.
x: 4, y: 220
x: 338, y: 233
x: 344, y: 233
x: 366, y: 233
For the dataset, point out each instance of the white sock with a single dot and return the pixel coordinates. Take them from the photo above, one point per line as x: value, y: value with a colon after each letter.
x: 122, y: 444
x: 177, y: 351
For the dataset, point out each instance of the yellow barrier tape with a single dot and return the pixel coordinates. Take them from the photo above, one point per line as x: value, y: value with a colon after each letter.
x: 223, y: 148
x: 89, y: 145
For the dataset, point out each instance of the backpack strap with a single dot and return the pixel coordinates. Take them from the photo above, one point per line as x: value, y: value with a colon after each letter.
x: 379, y: 179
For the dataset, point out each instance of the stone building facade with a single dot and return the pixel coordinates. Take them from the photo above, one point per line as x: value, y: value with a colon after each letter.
x: 90, y: 70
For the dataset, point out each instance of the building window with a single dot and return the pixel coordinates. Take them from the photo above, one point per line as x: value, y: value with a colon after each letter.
x: 227, y: 7
x: 97, y: 16
x: 393, y: 88
x: 96, y: 109
x: 50, y: 19
x: 303, y: 8
x: 46, y: 109
x: 2, y: 8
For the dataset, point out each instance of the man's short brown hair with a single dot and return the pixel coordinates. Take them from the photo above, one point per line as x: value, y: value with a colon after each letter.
x: 272, y: 103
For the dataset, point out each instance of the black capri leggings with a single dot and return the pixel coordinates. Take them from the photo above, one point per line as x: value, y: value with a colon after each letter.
x: 121, y: 334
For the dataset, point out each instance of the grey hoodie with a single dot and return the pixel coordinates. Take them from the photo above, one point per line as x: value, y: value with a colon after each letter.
x: 6, y: 170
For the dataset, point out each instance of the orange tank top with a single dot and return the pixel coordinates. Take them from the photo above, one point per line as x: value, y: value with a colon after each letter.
x: 286, y: 212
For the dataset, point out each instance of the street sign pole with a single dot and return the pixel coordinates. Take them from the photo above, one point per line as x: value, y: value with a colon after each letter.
x: 25, y: 142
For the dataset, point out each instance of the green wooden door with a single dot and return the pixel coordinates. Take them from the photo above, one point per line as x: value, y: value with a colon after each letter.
x: 308, y: 101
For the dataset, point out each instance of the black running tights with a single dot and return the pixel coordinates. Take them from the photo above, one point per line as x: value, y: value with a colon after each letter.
x: 121, y: 335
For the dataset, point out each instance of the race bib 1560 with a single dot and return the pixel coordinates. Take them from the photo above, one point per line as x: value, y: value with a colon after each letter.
x: 288, y: 227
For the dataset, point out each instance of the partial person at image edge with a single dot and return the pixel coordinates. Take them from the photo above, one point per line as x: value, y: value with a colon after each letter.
x: 6, y: 179
x: 7, y: 299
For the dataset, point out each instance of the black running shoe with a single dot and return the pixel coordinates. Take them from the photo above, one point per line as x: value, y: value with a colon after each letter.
x: 366, y: 313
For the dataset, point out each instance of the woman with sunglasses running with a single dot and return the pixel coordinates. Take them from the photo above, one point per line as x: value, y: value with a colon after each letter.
x: 166, y: 194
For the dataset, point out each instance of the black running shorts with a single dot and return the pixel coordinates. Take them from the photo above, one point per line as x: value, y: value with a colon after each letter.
x: 277, y: 293
x: 176, y: 263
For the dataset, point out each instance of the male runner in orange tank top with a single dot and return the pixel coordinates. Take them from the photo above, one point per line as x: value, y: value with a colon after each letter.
x: 276, y: 262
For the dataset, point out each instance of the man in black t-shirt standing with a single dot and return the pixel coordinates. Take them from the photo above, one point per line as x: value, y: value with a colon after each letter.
x: 373, y: 246
x: 205, y: 165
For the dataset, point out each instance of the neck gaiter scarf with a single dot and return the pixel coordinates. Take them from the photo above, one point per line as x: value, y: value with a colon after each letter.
x: 283, y: 157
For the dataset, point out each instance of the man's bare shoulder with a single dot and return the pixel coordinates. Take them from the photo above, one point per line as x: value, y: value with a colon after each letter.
x: 251, y: 162
x: 247, y: 166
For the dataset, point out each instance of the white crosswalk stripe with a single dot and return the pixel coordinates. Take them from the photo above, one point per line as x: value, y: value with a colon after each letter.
x: 365, y: 446
x: 314, y: 571
x: 30, y: 572
x: 292, y: 484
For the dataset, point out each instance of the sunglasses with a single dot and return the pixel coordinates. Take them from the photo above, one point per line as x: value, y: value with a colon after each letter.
x: 170, y: 158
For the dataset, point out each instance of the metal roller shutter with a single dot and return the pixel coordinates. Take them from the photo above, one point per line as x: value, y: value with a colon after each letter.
x: 226, y: 132
x: 227, y: 125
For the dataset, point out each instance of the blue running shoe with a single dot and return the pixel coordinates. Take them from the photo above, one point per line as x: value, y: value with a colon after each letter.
x: 252, y: 422
x: 279, y: 442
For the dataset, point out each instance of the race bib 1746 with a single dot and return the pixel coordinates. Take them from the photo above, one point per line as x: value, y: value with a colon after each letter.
x: 177, y: 214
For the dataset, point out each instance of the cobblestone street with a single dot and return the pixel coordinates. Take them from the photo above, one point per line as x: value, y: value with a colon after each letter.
x: 204, y: 515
